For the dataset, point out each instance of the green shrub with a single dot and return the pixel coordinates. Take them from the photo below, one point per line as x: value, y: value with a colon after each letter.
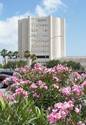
x: 15, y: 64
x: 71, y: 64
x: 53, y: 63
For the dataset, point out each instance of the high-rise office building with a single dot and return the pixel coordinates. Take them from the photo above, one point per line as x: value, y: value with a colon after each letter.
x: 43, y: 36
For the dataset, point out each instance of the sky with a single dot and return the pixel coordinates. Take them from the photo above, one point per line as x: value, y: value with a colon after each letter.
x: 74, y: 12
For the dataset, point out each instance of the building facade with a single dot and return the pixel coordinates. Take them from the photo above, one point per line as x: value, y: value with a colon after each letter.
x: 43, y: 36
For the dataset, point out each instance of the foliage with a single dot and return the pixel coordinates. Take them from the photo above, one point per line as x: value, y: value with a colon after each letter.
x: 20, y: 112
x: 14, y: 64
x: 28, y: 55
x: 74, y: 65
x: 10, y: 54
x: 71, y: 64
x: 53, y: 63
x: 4, y: 54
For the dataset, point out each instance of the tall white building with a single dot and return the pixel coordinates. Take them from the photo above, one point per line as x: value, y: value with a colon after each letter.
x: 43, y: 36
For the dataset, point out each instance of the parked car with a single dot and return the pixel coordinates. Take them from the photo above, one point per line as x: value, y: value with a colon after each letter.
x: 3, y: 75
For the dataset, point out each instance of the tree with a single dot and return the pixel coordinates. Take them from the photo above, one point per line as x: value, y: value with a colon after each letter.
x: 4, y: 54
x: 71, y: 64
x: 10, y: 54
x: 14, y: 64
x: 74, y: 65
x: 27, y: 55
x: 16, y: 54
x: 33, y: 57
x: 52, y: 63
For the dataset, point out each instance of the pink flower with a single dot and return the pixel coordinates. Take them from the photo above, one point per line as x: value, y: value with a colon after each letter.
x: 38, y: 67
x: 77, y: 75
x: 63, y: 113
x: 10, y: 98
x: 80, y: 123
x: 60, y: 111
x: 36, y: 95
x: 66, y: 91
x: 58, y: 105
x: 68, y: 105
x: 77, y: 110
x: 33, y: 86
x: 53, y: 117
x: 45, y: 87
x: 1, y: 94
x: 20, y: 91
x: 76, y: 89
x: 24, y: 82
x: 41, y: 85
x: 83, y: 84
x: 60, y: 68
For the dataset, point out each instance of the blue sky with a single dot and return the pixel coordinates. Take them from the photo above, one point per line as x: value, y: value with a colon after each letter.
x: 72, y: 10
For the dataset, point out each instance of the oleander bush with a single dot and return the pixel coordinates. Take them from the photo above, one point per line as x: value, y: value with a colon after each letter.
x: 45, y: 96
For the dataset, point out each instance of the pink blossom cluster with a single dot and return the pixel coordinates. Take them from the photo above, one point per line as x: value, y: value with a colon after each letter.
x: 61, y: 68
x: 78, y: 90
x: 10, y: 80
x: 83, y: 84
x: 25, y: 82
x: 1, y: 94
x: 39, y: 84
x: 43, y: 70
x: 49, y: 71
x: 38, y: 68
x: 77, y: 110
x: 76, y: 76
x: 22, y: 69
x: 81, y: 123
x: 60, y: 111
x: 35, y: 87
x: 20, y: 91
x: 57, y: 69
x: 66, y: 91
x: 83, y: 75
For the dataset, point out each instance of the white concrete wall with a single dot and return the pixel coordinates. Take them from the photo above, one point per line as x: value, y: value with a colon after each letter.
x: 57, y: 38
x: 20, y: 37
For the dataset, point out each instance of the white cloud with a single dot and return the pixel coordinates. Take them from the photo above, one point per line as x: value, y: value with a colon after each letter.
x: 48, y: 7
x: 9, y: 31
x: 1, y: 7
x: 40, y: 11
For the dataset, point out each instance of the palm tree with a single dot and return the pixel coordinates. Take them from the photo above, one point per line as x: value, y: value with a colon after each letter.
x: 33, y: 57
x: 10, y: 54
x: 27, y: 55
x: 4, y: 54
x: 16, y: 54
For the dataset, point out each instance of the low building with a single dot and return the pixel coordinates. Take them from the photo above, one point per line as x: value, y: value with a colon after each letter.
x: 80, y: 59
